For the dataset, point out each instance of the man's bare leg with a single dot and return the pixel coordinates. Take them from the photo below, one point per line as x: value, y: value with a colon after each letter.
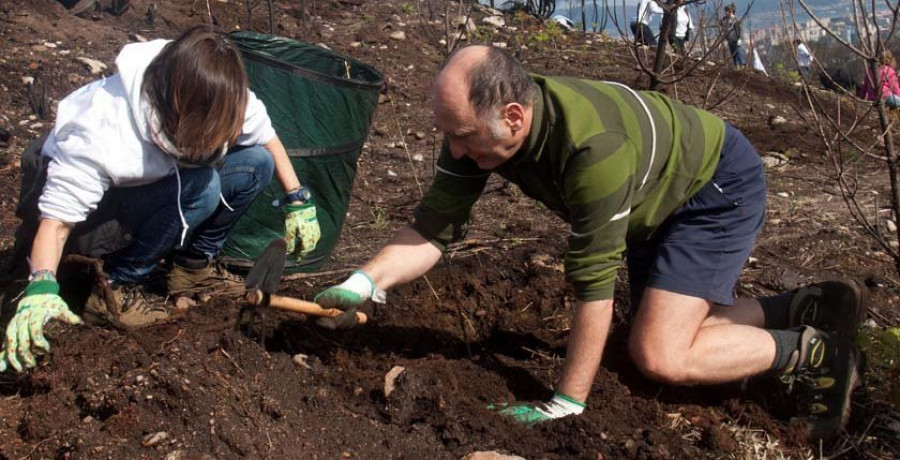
x: 745, y: 311
x: 672, y: 342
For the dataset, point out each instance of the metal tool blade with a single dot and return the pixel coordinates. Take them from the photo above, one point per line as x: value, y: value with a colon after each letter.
x: 266, y: 272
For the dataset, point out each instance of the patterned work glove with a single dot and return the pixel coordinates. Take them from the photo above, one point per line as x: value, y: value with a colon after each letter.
x: 26, y: 329
x: 351, y: 293
x: 301, y: 229
x: 532, y: 413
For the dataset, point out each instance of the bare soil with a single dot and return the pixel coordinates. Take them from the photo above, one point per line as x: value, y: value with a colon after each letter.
x: 487, y: 325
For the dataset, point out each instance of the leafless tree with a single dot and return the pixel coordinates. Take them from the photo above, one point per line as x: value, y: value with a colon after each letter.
x: 841, y: 136
x: 669, y: 72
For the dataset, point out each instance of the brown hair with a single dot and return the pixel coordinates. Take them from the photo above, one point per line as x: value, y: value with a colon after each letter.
x: 888, y: 59
x: 198, y: 87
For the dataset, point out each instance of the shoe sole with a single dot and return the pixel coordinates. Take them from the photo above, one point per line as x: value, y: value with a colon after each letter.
x: 833, y: 426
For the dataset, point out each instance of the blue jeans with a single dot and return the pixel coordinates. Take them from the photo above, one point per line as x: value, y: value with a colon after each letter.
x: 738, y: 55
x: 892, y: 101
x: 151, y: 211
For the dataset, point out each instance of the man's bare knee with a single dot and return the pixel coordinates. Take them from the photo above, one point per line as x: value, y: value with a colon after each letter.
x: 659, y: 364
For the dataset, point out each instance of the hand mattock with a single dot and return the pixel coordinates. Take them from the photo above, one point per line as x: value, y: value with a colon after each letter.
x: 263, y: 280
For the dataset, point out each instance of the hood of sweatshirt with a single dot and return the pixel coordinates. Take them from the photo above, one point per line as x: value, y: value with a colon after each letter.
x: 131, y: 63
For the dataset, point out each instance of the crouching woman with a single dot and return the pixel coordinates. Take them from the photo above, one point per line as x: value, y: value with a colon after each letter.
x: 180, y: 147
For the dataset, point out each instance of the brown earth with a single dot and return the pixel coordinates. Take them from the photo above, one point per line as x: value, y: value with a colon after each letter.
x: 488, y: 325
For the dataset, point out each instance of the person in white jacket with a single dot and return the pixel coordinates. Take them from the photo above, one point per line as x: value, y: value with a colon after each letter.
x: 681, y: 32
x: 182, y: 147
x: 804, y: 58
x: 640, y: 26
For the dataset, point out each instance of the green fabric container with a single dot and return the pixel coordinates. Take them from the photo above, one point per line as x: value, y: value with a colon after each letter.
x: 321, y: 105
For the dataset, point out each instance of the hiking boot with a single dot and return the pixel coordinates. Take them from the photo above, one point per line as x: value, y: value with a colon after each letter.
x: 821, y: 378
x: 123, y: 305
x: 833, y: 306
x: 183, y: 281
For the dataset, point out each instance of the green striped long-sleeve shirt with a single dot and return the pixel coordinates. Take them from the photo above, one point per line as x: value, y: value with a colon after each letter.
x: 591, y: 158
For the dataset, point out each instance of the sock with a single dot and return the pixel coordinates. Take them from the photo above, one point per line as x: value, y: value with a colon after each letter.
x: 786, y: 342
x: 777, y: 310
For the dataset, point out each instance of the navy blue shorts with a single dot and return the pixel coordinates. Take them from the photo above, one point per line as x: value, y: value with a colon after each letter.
x: 700, y: 249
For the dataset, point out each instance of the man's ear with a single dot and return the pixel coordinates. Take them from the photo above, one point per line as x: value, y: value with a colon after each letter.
x: 514, y: 116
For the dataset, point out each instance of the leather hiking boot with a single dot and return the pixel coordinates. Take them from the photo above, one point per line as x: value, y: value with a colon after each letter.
x: 821, y: 379
x: 183, y: 281
x: 833, y: 306
x: 123, y: 305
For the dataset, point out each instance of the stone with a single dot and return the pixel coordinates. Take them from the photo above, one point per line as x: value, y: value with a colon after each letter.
x: 398, y: 35
x: 418, y: 157
x: 777, y: 120
x: 355, y: 44
x: 27, y: 81
x: 495, y: 21
x: 486, y: 9
x: 774, y: 160
x: 96, y: 67
x: 501, y: 45
x: 183, y: 303
x: 419, y: 135
x: 324, y: 46
x: 891, y: 226
x: 390, y: 380
x: 491, y: 455
x: 300, y: 361
x: 138, y: 38
x: 470, y: 26
x: 782, y: 195
x: 154, y: 438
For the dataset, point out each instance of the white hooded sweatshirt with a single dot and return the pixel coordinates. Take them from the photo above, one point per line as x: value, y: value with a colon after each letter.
x: 102, y: 139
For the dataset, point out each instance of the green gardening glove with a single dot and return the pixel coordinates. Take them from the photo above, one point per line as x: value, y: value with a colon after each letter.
x: 301, y: 229
x: 532, y: 413
x: 351, y: 293
x: 26, y: 329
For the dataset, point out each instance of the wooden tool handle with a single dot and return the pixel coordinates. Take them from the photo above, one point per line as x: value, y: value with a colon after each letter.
x: 302, y: 306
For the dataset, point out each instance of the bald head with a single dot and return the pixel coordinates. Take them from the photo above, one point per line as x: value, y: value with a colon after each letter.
x: 485, y: 77
x: 483, y: 101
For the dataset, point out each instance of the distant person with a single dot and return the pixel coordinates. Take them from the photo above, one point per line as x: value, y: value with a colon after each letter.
x: 681, y: 33
x: 890, y: 88
x: 640, y: 27
x: 804, y: 58
x: 730, y: 26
